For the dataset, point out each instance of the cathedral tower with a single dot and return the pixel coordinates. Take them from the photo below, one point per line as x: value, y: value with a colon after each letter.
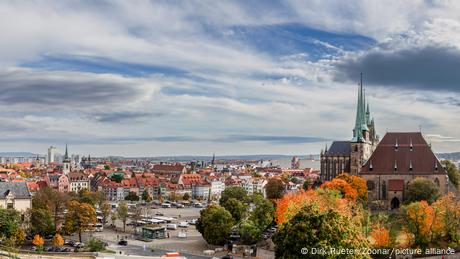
x: 66, y: 162
x: 364, y: 138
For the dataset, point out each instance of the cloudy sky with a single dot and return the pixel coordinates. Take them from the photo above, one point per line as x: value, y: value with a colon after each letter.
x: 231, y: 77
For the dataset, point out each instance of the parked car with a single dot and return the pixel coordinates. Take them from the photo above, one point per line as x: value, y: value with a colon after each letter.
x: 159, y: 214
x: 33, y: 248
x: 67, y: 249
x: 227, y: 257
x: 183, y: 224
x: 192, y: 222
x: 171, y: 226
x: 123, y: 242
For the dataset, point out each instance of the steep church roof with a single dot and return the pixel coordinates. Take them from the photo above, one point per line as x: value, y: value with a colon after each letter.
x: 340, y: 148
x: 403, y: 153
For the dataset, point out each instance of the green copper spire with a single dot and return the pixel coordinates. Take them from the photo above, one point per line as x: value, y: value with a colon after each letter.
x: 361, y: 123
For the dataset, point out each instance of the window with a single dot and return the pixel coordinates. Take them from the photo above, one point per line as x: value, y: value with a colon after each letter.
x: 436, y: 181
x: 384, y: 191
x: 10, y: 205
x: 370, y: 185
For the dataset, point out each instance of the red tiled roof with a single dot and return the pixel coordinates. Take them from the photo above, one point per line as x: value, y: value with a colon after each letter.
x: 168, y: 168
x: 386, y: 156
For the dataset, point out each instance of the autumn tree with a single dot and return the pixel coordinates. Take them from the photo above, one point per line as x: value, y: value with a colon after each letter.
x: 380, y: 236
x: 422, y: 189
x: 38, y: 241
x: 447, y: 218
x: 344, y: 188
x: 313, y: 227
x: 419, y: 219
x: 58, y: 240
x: 214, y: 224
x: 122, y: 213
x: 357, y: 183
x: 236, y: 192
x: 275, y: 188
x: 79, y: 217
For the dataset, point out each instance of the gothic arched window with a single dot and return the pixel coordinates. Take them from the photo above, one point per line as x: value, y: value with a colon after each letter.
x: 384, y: 191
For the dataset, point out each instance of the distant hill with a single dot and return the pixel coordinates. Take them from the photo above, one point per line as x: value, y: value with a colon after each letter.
x: 17, y: 154
x: 455, y: 156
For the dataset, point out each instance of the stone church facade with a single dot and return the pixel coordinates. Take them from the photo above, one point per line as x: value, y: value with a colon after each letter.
x: 398, y: 159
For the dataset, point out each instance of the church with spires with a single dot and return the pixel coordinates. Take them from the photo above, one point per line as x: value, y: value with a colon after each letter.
x: 389, y: 165
x: 349, y: 156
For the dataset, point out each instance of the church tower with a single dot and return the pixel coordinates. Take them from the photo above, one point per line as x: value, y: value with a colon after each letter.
x: 364, y: 138
x: 66, y: 161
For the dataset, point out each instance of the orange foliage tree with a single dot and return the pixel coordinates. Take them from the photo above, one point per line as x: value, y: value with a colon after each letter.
x: 291, y: 203
x: 38, y: 241
x: 358, y: 183
x: 380, y: 237
x: 419, y: 220
x: 446, y: 224
x: 344, y: 188
x: 58, y: 240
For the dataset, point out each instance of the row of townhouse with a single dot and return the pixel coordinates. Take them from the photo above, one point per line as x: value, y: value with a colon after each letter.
x: 72, y: 182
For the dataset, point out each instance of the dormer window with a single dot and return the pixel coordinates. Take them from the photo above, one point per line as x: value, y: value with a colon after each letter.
x: 411, y: 147
x: 435, y: 166
x: 396, y: 145
x: 370, y: 166
x: 396, y: 166
x: 410, y: 166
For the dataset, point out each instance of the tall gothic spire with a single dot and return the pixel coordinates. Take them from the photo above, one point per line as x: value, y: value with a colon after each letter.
x: 66, y: 156
x: 361, y: 122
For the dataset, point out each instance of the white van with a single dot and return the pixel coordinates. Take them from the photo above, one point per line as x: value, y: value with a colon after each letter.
x: 171, y: 226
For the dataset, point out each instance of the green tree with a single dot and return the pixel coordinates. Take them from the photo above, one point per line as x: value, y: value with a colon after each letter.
x: 422, y: 189
x: 215, y: 224
x: 122, y: 213
x: 186, y: 196
x: 313, y: 228
x: 275, y: 188
x: 236, y: 192
x: 53, y: 201
x: 146, y: 197
x: 263, y: 212
x: 307, y: 184
x: 95, y: 245
x: 132, y: 196
x: 10, y: 221
x: 452, y: 172
x: 41, y: 222
x: 105, y: 208
x: 79, y: 217
x: 236, y: 208
x: 249, y: 232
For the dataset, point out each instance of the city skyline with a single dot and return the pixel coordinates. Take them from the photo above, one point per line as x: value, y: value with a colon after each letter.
x: 157, y: 78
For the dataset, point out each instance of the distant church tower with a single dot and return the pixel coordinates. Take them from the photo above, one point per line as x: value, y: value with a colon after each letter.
x: 66, y: 163
x: 364, y: 138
